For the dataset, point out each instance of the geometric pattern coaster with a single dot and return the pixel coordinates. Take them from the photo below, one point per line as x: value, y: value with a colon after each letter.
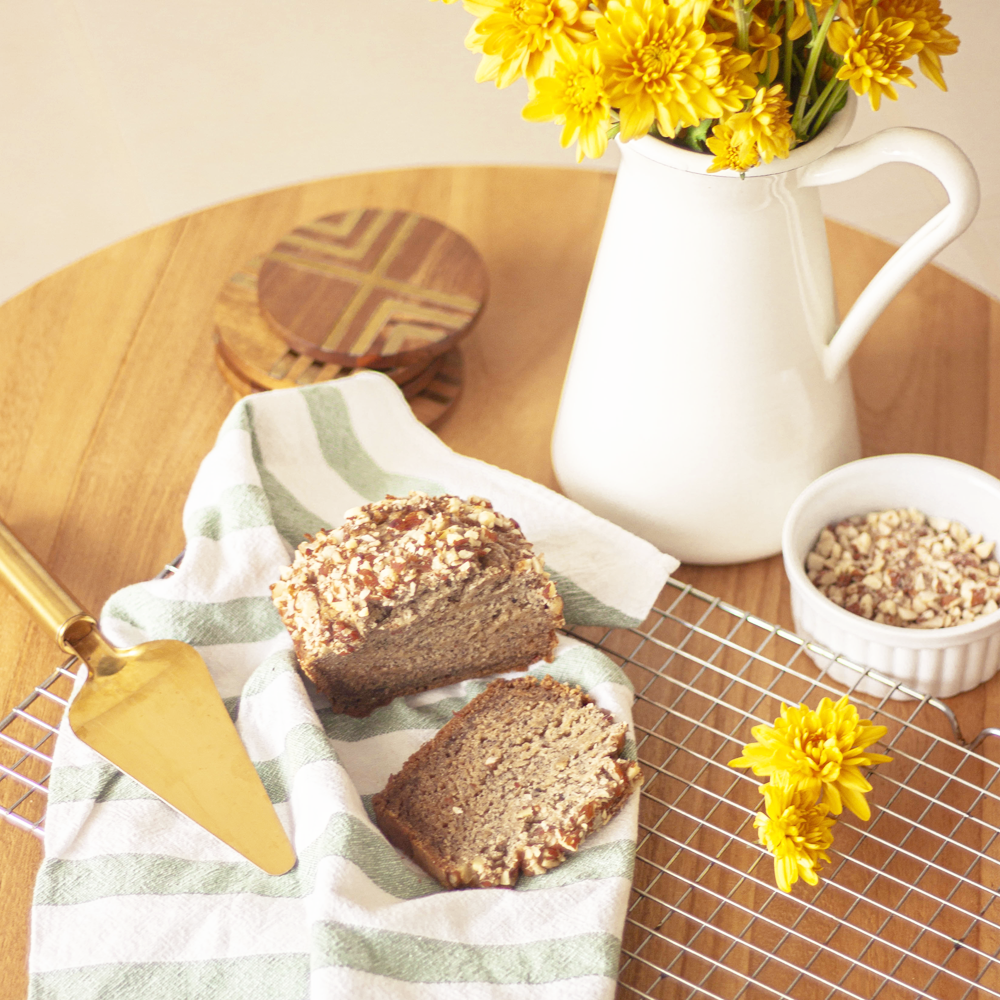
x: 372, y: 288
x: 257, y: 355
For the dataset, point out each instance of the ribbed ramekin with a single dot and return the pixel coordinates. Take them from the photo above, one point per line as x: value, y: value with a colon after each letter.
x: 936, y: 662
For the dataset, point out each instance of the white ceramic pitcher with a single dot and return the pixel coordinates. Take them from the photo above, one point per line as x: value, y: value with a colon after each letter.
x: 708, y: 384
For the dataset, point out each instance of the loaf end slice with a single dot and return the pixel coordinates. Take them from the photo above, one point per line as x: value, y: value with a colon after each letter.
x: 413, y: 593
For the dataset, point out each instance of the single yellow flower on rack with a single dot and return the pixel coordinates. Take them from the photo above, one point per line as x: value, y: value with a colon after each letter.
x: 517, y: 37
x: 796, y: 829
x: 575, y: 97
x: 658, y: 67
x: 821, y: 751
x: 874, y: 57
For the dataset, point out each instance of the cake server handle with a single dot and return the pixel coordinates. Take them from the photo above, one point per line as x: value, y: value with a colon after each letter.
x: 39, y: 593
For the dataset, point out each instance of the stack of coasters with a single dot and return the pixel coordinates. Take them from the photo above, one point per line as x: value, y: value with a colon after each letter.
x: 370, y: 288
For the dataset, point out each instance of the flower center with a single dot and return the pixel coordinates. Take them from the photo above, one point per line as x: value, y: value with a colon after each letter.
x: 791, y: 820
x: 734, y: 158
x: 655, y: 60
x: 825, y: 755
x: 583, y: 91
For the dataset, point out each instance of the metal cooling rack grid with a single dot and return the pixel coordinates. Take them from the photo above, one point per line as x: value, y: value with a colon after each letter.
x: 907, y: 907
x: 27, y: 738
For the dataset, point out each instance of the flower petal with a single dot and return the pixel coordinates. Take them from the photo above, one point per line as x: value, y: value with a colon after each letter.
x: 832, y: 797
x: 856, y: 802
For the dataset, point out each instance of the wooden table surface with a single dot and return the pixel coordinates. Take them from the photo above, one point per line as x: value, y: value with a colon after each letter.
x: 109, y: 394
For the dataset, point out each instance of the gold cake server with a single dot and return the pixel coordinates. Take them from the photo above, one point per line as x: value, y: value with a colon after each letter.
x: 154, y: 712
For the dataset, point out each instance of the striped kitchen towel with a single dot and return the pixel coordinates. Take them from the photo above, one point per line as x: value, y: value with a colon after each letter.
x: 135, y: 902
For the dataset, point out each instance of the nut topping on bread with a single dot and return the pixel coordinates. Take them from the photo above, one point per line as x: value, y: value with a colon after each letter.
x: 412, y: 593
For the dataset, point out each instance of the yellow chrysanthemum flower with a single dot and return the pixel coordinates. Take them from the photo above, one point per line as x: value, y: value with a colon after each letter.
x: 658, y: 67
x: 575, y: 97
x: 874, y: 57
x: 770, y: 125
x: 929, y: 29
x: 730, y: 144
x: 822, y: 751
x: 737, y: 80
x: 517, y: 37
x: 765, y: 44
x: 796, y: 830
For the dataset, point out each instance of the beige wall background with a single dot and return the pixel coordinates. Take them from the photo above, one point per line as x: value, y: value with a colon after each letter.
x: 117, y: 115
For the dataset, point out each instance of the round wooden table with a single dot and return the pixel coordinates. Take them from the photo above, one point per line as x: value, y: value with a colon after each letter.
x: 110, y: 396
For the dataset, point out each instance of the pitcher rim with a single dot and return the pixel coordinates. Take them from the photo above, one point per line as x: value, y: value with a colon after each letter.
x: 652, y: 148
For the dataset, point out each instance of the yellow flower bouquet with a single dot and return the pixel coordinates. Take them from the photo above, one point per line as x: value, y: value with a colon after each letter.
x: 744, y: 80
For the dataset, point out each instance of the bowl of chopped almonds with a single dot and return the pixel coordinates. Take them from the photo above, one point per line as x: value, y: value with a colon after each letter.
x: 893, y: 565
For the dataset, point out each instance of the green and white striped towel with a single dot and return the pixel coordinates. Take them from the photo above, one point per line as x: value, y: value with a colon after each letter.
x: 133, y: 901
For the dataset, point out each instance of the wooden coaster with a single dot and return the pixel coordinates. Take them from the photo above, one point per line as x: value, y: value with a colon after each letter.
x: 372, y: 288
x: 432, y: 403
x: 421, y: 381
x: 425, y: 375
x: 239, y: 386
x: 256, y: 355
x: 430, y: 395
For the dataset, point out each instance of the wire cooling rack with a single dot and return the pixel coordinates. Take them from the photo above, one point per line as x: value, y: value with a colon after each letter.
x: 906, y: 908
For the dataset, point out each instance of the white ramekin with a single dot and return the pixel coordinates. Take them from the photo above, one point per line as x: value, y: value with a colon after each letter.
x: 935, y: 662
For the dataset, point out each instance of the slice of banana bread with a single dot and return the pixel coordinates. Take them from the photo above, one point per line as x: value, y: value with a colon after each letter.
x: 413, y: 593
x: 510, y: 784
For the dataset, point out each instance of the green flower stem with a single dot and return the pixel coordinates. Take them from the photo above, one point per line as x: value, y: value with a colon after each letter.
x: 788, y: 49
x: 814, y: 89
x: 830, y: 104
x: 821, y: 103
x: 816, y: 50
x: 742, y: 25
x: 811, y: 14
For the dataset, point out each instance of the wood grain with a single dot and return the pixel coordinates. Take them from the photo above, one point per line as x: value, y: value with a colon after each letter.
x: 110, y: 397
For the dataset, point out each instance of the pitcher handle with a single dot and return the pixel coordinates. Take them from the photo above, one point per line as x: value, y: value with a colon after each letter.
x: 950, y: 166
